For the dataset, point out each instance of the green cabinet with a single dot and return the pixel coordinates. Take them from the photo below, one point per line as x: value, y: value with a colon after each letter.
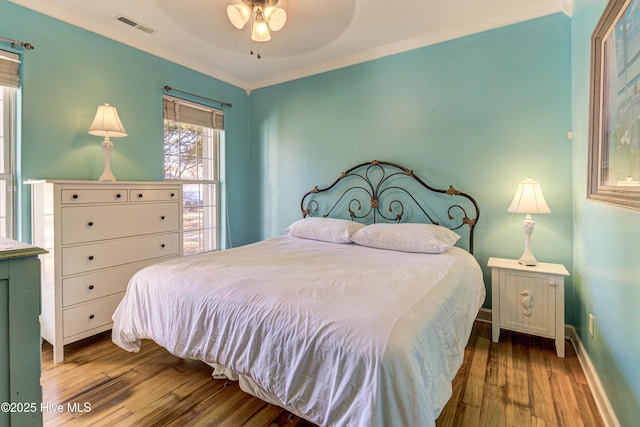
x: 20, y: 343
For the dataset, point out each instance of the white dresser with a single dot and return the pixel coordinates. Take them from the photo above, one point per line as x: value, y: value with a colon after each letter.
x: 98, y: 235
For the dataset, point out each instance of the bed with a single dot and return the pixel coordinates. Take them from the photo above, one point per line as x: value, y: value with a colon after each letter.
x: 357, y: 316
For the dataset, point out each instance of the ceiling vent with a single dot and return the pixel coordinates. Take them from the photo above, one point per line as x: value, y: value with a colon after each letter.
x: 135, y: 24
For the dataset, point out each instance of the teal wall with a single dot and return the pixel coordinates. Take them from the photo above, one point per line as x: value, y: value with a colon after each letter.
x: 606, y: 251
x: 481, y: 112
x: 71, y: 71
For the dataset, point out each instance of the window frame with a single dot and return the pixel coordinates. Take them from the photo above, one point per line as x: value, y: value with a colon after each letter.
x: 208, y: 211
x: 9, y: 94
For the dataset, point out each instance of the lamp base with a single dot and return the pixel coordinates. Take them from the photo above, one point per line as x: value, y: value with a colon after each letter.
x: 527, y: 257
x: 107, y: 147
x: 528, y: 261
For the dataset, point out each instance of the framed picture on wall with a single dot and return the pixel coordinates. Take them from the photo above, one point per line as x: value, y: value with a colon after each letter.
x: 614, y: 113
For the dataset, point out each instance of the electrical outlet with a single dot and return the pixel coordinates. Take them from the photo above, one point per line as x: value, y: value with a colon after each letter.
x: 591, y: 324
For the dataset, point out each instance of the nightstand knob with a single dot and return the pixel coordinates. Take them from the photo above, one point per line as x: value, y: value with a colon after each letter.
x: 162, y: 217
x: 173, y: 194
x: 91, y: 316
x: 90, y: 223
x: 91, y: 287
x: 162, y: 245
x: 140, y: 196
x: 118, y: 196
x: 90, y: 257
x: 75, y: 196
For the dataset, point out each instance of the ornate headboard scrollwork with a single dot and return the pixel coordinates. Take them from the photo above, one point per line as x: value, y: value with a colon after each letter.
x: 379, y: 191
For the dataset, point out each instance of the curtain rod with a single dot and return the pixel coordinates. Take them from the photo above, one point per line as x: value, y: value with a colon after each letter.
x: 25, y: 45
x: 224, y: 104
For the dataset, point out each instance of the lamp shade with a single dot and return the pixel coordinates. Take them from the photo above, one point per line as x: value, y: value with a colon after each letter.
x: 529, y: 199
x: 276, y: 17
x: 107, y: 123
x: 260, y: 30
x: 238, y: 14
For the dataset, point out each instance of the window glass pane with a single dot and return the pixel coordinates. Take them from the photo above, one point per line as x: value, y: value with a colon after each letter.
x: 7, y: 122
x: 191, y: 156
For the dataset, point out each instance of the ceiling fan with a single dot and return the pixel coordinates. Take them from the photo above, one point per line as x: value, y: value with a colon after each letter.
x: 265, y: 16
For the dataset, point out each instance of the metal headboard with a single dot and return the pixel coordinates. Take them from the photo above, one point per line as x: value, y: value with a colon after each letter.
x: 379, y: 191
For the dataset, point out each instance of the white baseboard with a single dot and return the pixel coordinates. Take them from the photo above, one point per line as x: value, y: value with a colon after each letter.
x: 604, y: 406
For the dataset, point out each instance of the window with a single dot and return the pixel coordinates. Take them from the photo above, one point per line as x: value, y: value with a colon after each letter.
x: 9, y: 84
x: 192, y: 137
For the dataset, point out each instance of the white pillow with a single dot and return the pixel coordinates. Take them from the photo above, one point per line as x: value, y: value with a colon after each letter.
x: 332, y: 230
x: 424, y: 238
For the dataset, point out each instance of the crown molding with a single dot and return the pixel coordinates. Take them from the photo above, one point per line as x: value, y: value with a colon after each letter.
x: 567, y: 7
x: 148, y: 47
x: 543, y: 9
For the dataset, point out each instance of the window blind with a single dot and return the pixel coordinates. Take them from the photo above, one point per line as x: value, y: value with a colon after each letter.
x: 9, y: 69
x: 183, y: 111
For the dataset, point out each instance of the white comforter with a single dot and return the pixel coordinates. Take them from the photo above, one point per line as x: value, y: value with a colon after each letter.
x: 340, y: 334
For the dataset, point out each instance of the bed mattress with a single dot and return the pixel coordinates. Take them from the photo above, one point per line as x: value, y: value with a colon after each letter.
x: 340, y: 334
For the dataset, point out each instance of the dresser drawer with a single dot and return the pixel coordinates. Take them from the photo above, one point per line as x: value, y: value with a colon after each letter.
x: 111, y: 253
x: 154, y: 194
x: 90, y: 223
x: 87, y: 287
x: 89, y: 316
x: 107, y: 195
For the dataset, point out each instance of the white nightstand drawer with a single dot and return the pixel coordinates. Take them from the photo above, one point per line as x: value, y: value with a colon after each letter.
x: 90, y: 223
x: 85, y: 258
x: 87, y: 287
x: 90, y: 316
x: 154, y: 195
x: 107, y: 195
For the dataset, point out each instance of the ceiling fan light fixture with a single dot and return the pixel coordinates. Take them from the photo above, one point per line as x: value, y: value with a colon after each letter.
x: 238, y: 14
x: 276, y: 17
x: 265, y: 16
x: 260, y: 29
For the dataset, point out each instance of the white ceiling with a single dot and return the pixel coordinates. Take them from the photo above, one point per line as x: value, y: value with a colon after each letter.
x: 320, y: 35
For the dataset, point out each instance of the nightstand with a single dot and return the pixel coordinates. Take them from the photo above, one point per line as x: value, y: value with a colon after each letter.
x: 528, y: 299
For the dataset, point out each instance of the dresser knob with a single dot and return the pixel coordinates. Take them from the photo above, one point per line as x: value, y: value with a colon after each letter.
x: 173, y: 194
x: 162, y: 217
x: 118, y: 196
x: 91, y: 287
x: 91, y: 316
x: 162, y: 245
x: 90, y: 257
x: 140, y: 196
x: 75, y: 196
x: 90, y: 223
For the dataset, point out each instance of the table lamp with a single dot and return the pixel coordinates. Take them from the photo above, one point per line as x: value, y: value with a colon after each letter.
x: 107, y: 123
x: 528, y: 200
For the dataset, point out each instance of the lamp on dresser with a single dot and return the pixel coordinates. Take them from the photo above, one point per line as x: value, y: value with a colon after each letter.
x: 528, y: 200
x: 107, y: 123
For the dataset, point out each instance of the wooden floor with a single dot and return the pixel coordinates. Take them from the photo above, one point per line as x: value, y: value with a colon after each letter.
x: 517, y: 382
